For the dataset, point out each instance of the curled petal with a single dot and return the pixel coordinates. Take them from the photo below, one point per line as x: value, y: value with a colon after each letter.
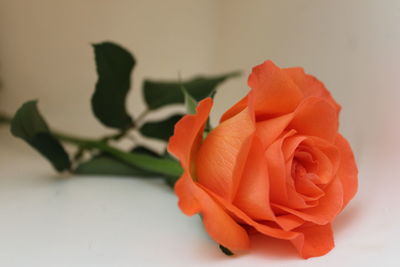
x: 235, y: 109
x: 192, y: 199
x: 310, y: 86
x: 308, y: 189
x: 327, y: 156
x: 188, y: 134
x: 316, y: 117
x: 274, y: 91
x: 298, y: 198
x: 187, y: 200
x: 317, y: 240
x: 219, y: 225
x: 262, y: 228
x: 222, y: 156
x: 328, y: 207
x: 289, y: 222
x: 269, y: 130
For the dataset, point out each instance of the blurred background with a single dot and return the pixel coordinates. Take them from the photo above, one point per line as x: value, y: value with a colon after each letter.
x: 352, y: 46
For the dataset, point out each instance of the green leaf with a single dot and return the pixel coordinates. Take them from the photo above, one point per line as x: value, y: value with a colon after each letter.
x: 190, y: 102
x: 30, y: 126
x: 161, y: 93
x: 226, y: 251
x: 162, y: 130
x: 108, y: 165
x: 114, y: 66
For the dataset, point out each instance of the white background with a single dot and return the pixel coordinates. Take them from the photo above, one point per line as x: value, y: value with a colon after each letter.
x: 48, y: 220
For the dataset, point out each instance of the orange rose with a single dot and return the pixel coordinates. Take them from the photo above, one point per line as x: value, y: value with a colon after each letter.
x: 276, y: 163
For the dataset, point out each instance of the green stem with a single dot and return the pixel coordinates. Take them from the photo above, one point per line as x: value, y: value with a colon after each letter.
x: 166, y: 167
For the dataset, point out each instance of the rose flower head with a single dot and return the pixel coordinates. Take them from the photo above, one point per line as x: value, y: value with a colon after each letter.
x: 276, y: 164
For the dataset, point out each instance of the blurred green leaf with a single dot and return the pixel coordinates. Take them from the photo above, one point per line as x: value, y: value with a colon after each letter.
x: 29, y: 125
x: 161, y: 93
x: 108, y: 165
x: 146, y: 151
x: 190, y: 102
x: 114, y: 66
x: 162, y: 130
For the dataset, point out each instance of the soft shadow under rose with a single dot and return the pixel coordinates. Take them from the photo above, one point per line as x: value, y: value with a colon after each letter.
x: 275, y: 164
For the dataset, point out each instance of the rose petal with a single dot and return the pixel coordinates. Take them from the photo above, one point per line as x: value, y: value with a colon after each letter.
x: 316, y: 117
x: 296, y: 198
x: 222, y: 156
x: 290, y: 145
x: 317, y: 240
x: 187, y: 201
x: 235, y: 109
x: 188, y: 134
x: 269, y: 130
x: 277, y: 171
x: 306, y: 187
x: 262, y: 228
x: 219, y: 225
x: 347, y: 171
x: 252, y: 196
x: 192, y: 199
x: 327, y: 157
x: 310, y: 86
x: 328, y: 207
x: 289, y: 221
x: 274, y: 91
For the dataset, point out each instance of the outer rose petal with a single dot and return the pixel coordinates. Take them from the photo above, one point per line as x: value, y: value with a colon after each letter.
x: 347, y: 171
x: 219, y: 225
x: 222, y: 156
x: 317, y: 240
x: 235, y: 109
x: 289, y: 221
x: 274, y: 91
x: 310, y: 86
x: 316, y: 117
x: 310, y: 241
x: 262, y: 228
x: 185, y: 140
x: 192, y: 199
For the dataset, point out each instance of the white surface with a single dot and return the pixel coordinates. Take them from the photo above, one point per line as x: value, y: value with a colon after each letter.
x: 48, y: 220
